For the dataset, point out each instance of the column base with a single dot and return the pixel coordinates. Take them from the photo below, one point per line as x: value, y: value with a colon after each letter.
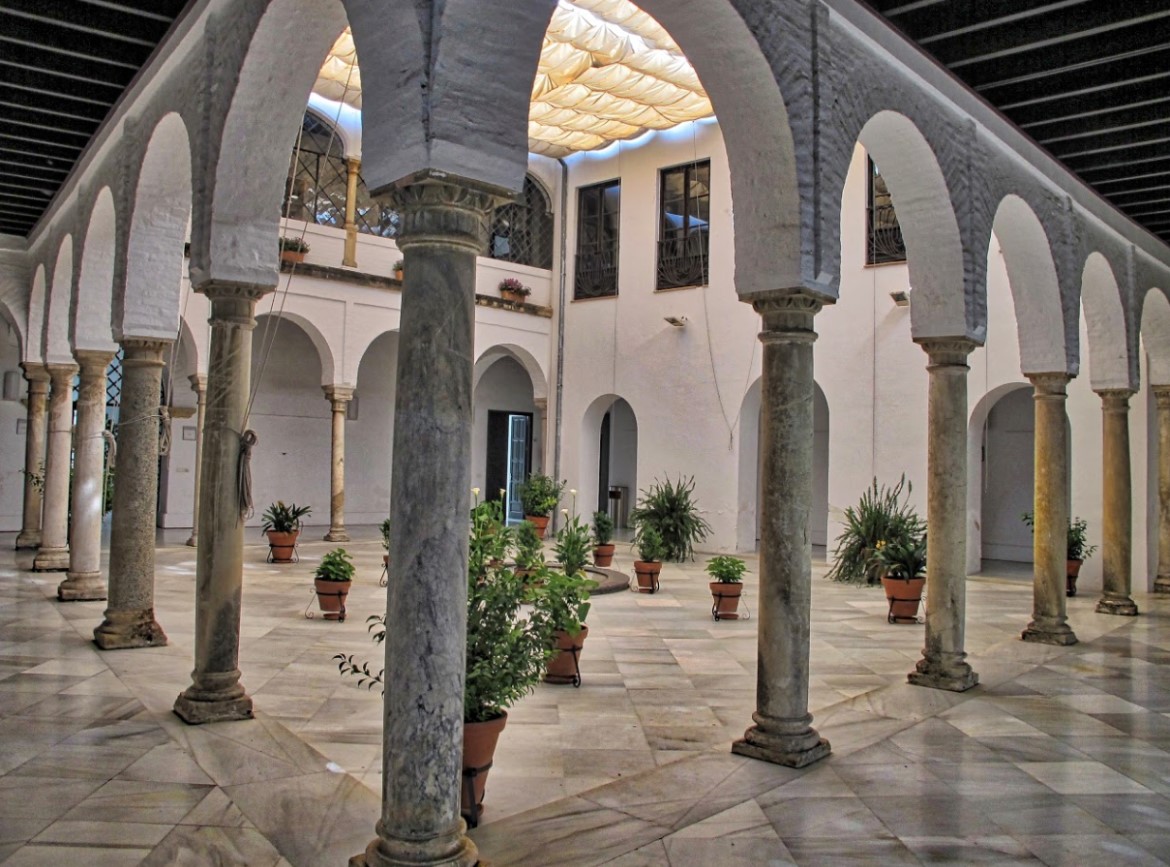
x: 214, y: 696
x: 1161, y: 583
x: 1058, y: 634
x: 1120, y: 605
x: 125, y: 630
x: 449, y: 850
x: 337, y: 535
x: 193, y: 542
x: 953, y: 675
x: 51, y: 560
x: 32, y: 539
x: 82, y: 587
x: 792, y: 743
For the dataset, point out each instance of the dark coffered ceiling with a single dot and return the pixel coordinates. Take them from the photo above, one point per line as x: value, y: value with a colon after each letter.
x: 1088, y: 80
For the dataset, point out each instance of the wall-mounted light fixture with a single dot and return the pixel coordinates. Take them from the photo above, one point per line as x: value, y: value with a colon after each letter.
x: 901, y: 297
x: 677, y: 321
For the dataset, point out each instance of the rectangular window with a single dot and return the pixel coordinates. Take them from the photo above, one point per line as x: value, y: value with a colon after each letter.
x: 598, y: 215
x: 884, y: 235
x: 684, y: 211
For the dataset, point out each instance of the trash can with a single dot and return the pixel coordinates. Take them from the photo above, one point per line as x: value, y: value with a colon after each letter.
x: 619, y: 506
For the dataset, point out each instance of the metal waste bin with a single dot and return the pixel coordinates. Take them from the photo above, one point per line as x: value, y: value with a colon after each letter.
x: 619, y: 506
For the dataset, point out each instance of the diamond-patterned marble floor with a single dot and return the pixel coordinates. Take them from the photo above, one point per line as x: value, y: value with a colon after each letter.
x: 1060, y: 756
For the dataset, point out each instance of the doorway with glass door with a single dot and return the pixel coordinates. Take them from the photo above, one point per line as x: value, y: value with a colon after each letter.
x: 509, y: 459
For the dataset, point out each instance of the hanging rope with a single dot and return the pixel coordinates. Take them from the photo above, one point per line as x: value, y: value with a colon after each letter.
x: 244, y: 478
x: 164, y: 431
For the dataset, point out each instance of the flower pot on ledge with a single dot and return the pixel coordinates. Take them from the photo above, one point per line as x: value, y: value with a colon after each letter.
x: 294, y: 256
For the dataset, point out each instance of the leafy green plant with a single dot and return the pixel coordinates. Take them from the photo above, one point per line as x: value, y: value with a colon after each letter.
x: 670, y: 509
x: 726, y: 569
x: 280, y: 518
x: 335, y: 566
x: 573, y: 545
x: 491, y: 540
x: 884, y: 515
x: 529, y: 548
x: 1078, y: 536
x: 649, y: 545
x: 902, y: 558
x: 540, y: 494
x: 561, y: 602
x: 398, y: 266
x: 602, y: 528
x: 384, y: 528
x: 294, y: 244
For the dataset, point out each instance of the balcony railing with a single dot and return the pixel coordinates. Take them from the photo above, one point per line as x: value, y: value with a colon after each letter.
x: 682, y: 261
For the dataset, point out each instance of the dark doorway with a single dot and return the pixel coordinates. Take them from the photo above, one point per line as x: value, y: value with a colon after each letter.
x: 509, y: 458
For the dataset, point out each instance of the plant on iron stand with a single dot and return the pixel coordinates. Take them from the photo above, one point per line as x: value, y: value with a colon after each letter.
x: 670, y: 509
x: 883, y: 516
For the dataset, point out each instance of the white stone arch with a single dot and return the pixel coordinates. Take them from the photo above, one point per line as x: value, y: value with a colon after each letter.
x: 14, y: 300
x: 1155, y: 335
x: 268, y: 326
x: 519, y: 354
x: 930, y: 229
x: 89, y: 324
x: 56, y: 327
x: 1105, y: 322
x: 13, y: 324
x: 589, y: 452
x: 34, y: 334
x: 1032, y: 278
x: 147, y: 303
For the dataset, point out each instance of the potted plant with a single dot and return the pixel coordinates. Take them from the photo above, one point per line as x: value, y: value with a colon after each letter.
x: 648, y: 563
x: 282, y: 524
x: 512, y: 289
x: 602, y: 539
x: 726, y: 586
x: 398, y: 270
x: 529, y: 555
x: 539, y: 495
x: 1079, y: 549
x: 883, y: 514
x: 332, y: 580
x: 293, y: 249
x: 562, y: 604
x: 903, y: 566
x: 670, y: 509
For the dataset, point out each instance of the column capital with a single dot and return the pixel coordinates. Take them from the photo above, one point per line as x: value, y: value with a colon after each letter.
x: 217, y: 290
x: 353, y: 164
x: 338, y: 395
x: 36, y: 375
x: 198, y: 383
x: 1115, y: 399
x: 541, y: 403
x: 60, y: 373
x: 93, y: 360
x: 143, y: 351
x: 1161, y: 395
x: 437, y: 208
x: 787, y: 316
x: 947, y: 351
x: 1050, y: 384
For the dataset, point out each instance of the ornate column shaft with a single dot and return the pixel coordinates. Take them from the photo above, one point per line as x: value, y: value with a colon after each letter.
x: 1050, y: 530
x: 783, y: 732
x: 1117, y: 506
x: 129, y: 620
x: 54, y: 553
x: 85, y: 581
x: 352, y: 170
x: 34, y: 454
x: 215, y: 693
x: 444, y: 227
x: 943, y: 664
x: 199, y: 386
x: 339, y: 397
x: 1162, y: 398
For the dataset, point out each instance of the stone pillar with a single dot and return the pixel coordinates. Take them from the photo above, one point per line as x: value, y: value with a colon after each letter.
x: 85, y: 581
x: 352, y: 170
x: 339, y: 397
x: 34, y: 454
x: 199, y: 386
x: 54, y: 553
x: 215, y: 693
x: 129, y: 620
x: 943, y: 664
x: 1117, y: 506
x: 1162, y: 398
x: 1050, y: 530
x: 444, y: 227
x: 783, y: 732
x: 540, y: 422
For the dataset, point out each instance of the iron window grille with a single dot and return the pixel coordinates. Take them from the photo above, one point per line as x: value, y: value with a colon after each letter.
x: 522, y: 231
x: 684, y: 213
x: 598, y: 217
x: 371, y: 216
x: 317, y: 177
x: 114, y: 380
x: 884, y: 235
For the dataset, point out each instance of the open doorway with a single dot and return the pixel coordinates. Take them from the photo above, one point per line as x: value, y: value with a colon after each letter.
x: 509, y: 458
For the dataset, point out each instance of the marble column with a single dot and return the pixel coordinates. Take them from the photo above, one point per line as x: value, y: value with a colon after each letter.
x: 783, y: 732
x: 1162, y: 400
x: 54, y: 553
x: 1117, y: 506
x: 352, y: 171
x: 85, y: 581
x: 129, y: 619
x: 199, y: 386
x: 943, y: 664
x: 34, y: 454
x: 540, y: 422
x: 1050, y: 530
x: 215, y: 693
x: 444, y: 227
x: 339, y: 397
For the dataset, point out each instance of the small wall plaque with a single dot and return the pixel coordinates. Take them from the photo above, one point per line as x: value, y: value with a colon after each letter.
x: 189, y: 433
x: 21, y: 426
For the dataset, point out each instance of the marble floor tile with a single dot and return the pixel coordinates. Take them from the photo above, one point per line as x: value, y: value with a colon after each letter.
x: 1059, y: 850
x: 1082, y: 778
x: 1003, y: 851
x: 54, y: 854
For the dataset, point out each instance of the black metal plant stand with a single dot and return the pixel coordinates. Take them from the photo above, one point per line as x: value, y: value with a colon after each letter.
x: 901, y: 618
x: 310, y: 614
x: 717, y: 597
x: 471, y: 816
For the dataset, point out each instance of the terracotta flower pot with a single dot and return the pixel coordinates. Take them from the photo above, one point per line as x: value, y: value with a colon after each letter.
x: 647, y: 572
x: 540, y: 522
x: 479, y: 746
x: 603, y: 555
x: 398, y: 274
x: 563, y: 668
x: 1074, y: 571
x: 725, y: 604
x: 905, y: 595
x: 294, y: 256
x: 514, y: 297
x: 331, y: 597
x: 282, y: 546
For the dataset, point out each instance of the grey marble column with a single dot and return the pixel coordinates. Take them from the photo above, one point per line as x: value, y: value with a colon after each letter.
x: 1117, y: 506
x: 1162, y: 400
x: 339, y: 397
x: 444, y: 227
x: 215, y: 693
x: 34, y: 454
x: 783, y: 732
x: 85, y: 581
x: 944, y: 658
x: 1050, y: 530
x: 129, y: 619
x: 54, y: 553
x: 199, y: 386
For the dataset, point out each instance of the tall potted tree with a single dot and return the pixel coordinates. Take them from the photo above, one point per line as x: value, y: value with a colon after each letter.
x: 539, y: 495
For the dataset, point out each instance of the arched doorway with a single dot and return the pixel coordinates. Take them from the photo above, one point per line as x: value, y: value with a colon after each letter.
x: 506, y: 442
x: 608, y: 475
x: 1005, y: 487
x: 369, y: 433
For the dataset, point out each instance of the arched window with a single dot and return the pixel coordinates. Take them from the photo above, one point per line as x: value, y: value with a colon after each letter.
x: 522, y: 231
x: 372, y: 217
x: 316, y: 177
x: 885, y: 235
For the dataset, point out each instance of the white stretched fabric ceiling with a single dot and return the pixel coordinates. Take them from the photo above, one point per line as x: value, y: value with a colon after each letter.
x: 608, y: 71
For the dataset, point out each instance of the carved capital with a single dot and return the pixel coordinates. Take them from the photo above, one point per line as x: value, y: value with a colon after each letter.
x: 37, y: 377
x: 440, y: 209
x: 947, y: 352
x: 353, y: 165
x: 198, y: 384
x: 338, y: 396
x: 217, y: 290
x: 787, y: 317
x: 1050, y: 385
x: 233, y: 304
x: 93, y: 362
x: 143, y: 352
x: 61, y: 375
x: 1115, y: 400
x: 1162, y: 396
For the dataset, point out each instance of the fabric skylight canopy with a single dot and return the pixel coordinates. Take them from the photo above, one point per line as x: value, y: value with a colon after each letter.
x: 608, y: 71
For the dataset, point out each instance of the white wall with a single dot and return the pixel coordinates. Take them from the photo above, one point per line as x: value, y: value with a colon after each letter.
x: 12, y: 413
x: 369, y: 437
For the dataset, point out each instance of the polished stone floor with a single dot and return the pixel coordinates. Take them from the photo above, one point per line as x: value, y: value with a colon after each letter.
x: 1060, y: 756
